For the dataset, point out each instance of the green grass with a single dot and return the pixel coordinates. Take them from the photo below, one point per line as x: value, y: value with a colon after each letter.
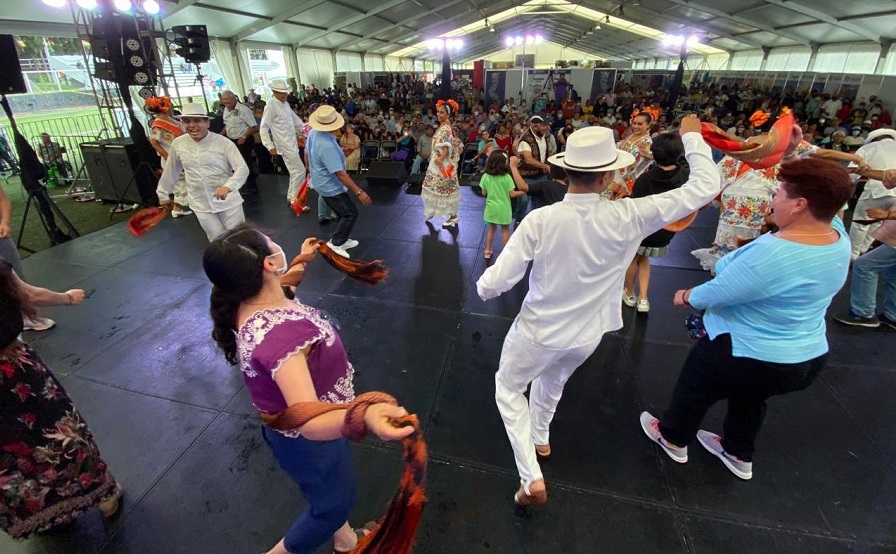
x: 86, y: 217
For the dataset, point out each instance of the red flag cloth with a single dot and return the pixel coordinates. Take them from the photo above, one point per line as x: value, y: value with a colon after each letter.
x: 143, y: 221
x: 301, y: 199
x: 760, y: 153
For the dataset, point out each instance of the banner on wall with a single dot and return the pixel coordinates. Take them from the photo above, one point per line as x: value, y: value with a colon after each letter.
x: 601, y: 81
x: 495, y: 85
x: 537, y: 83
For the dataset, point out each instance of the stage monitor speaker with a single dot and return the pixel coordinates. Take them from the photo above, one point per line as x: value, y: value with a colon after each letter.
x: 12, y: 80
x: 386, y: 173
x: 111, y: 164
x: 192, y: 43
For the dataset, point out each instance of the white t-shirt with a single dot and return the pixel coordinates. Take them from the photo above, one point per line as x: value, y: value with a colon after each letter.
x: 542, y: 147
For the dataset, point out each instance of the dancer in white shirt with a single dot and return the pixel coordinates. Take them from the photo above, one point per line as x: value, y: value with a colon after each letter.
x: 579, y: 249
x: 214, y: 171
x: 280, y: 127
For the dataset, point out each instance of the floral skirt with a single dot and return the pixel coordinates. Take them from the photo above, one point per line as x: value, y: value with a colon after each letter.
x: 440, y: 201
x: 50, y: 467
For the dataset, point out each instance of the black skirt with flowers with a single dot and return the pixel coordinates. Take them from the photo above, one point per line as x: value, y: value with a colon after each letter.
x: 50, y: 466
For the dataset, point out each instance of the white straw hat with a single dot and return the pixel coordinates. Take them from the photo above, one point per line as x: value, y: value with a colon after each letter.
x: 592, y: 150
x: 278, y: 85
x: 882, y: 132
x: 326, y: 118
x: 193, y: 110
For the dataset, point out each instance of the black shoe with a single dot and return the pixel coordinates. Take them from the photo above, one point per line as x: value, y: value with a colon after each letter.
x: 887, y: 321
x: 857, y: 321
x: 324, y: 221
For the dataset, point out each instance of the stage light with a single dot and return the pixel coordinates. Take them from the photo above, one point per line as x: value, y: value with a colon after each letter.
x: 122, y: 5
x: 539, y: 39
x: 151, y: 7
x: 87, y: 4
x: 55, y: 3
x: 518, y: 40
x: 693, y: 40
x: 530, y: 39
x: 458, y: 44
x: 508, y: 42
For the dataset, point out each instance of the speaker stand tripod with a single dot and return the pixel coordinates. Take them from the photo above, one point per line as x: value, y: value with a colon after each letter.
x: 49, y: 213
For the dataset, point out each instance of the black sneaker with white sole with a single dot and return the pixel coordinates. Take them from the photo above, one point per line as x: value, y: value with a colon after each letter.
x: 857, y: 321
x: 887, y: 321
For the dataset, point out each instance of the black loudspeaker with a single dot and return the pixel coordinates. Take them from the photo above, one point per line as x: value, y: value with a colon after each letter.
x: 12, y: 80
x: 386, y: 173
x: 192, y: 43
x: 111, y: 164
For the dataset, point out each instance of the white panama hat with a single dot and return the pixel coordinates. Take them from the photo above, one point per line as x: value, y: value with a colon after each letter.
x: 193, y: 110
x: 326, y: 118
x: 592, y: 149
x: 278, y: 85
x: 882, y: 132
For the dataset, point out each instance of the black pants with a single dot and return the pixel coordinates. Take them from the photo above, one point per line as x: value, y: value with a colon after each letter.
x: 712, y: 373
x: 246, y: 150
x: 346, y: 215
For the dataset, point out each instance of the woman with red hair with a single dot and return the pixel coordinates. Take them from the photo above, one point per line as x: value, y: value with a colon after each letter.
x: 441, y: 190
x: 162, y: 132
x: 764, y: 328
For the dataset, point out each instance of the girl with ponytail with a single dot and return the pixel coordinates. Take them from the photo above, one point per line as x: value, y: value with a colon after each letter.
x: 291, y: 356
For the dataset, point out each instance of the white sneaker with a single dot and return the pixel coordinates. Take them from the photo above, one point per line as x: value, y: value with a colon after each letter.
x: 180, y: 213
x: 643, y: 306
x: 37, y: 324
x: 338, y: 249
x: 713, y: 444
x: 630, y: 301
x: 651, y: 427
x: 349, y: 244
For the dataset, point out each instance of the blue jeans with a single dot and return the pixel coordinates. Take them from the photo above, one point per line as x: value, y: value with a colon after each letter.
x: 865, y: 271
x: 417, y: 162
x: 325, y: 473
x: 323, y: 210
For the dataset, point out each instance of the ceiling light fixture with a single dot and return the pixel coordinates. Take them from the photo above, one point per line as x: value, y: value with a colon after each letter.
x: 151, y: 7
x: 55, y: 3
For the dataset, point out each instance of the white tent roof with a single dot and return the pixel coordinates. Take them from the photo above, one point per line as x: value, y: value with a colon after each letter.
x: 398, y: 27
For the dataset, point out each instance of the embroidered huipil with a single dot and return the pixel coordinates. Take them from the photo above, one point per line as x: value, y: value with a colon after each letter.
x: 208, y: 164
x: 269, y: 337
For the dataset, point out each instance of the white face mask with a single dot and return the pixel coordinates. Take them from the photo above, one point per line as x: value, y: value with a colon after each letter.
x: 282, y: 269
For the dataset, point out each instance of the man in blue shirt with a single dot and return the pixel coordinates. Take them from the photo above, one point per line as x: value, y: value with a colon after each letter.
x: 327, y: 166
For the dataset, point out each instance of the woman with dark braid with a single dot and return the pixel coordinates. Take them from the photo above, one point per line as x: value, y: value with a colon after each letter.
x: 289, y: 354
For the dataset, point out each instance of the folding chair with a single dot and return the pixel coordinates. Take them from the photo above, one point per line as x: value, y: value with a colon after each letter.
x: 467, y: 164
x: 370, y: 151
x: 386, y: 149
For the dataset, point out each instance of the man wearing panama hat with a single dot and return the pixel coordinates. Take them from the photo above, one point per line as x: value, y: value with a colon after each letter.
x: 579, y: 249
x: 326, y: 162
x: 279, y: 134
x: 214, y: 170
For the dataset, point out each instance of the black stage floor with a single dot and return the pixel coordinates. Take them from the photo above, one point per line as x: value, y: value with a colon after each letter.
x: 175, y: 424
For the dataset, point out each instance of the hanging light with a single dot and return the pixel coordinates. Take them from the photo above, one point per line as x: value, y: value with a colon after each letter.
x: 87, y: 4
x: 122, y: 5
x: 518, y: 40
x: 508, y: 42
x: 693, y: 40
x: 539, y: 39
x: 530, y: 39
x: 151, y: 7
x: 55, y: 3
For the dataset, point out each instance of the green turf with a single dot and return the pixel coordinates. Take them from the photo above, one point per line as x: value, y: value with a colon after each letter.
x: 86, y: 217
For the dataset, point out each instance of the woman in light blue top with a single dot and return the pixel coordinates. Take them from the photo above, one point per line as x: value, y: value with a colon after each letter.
x: 764, y: 320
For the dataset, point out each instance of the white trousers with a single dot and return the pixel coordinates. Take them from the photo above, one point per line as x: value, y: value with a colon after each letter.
x: 216, y: 223
x: 527, y: 423
x: 296, y: 172
x: 860, y: 235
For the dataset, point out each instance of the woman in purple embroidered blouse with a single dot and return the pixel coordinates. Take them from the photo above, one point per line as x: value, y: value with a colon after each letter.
x: 288, y: 354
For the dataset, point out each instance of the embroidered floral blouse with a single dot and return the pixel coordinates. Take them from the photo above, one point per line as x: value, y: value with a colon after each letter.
x: 269, y: 337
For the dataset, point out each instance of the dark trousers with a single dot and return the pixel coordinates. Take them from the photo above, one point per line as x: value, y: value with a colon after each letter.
x: 346, y: 215
x: 325, y: 473
x: 711, y: 373
x: 246, y: 150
